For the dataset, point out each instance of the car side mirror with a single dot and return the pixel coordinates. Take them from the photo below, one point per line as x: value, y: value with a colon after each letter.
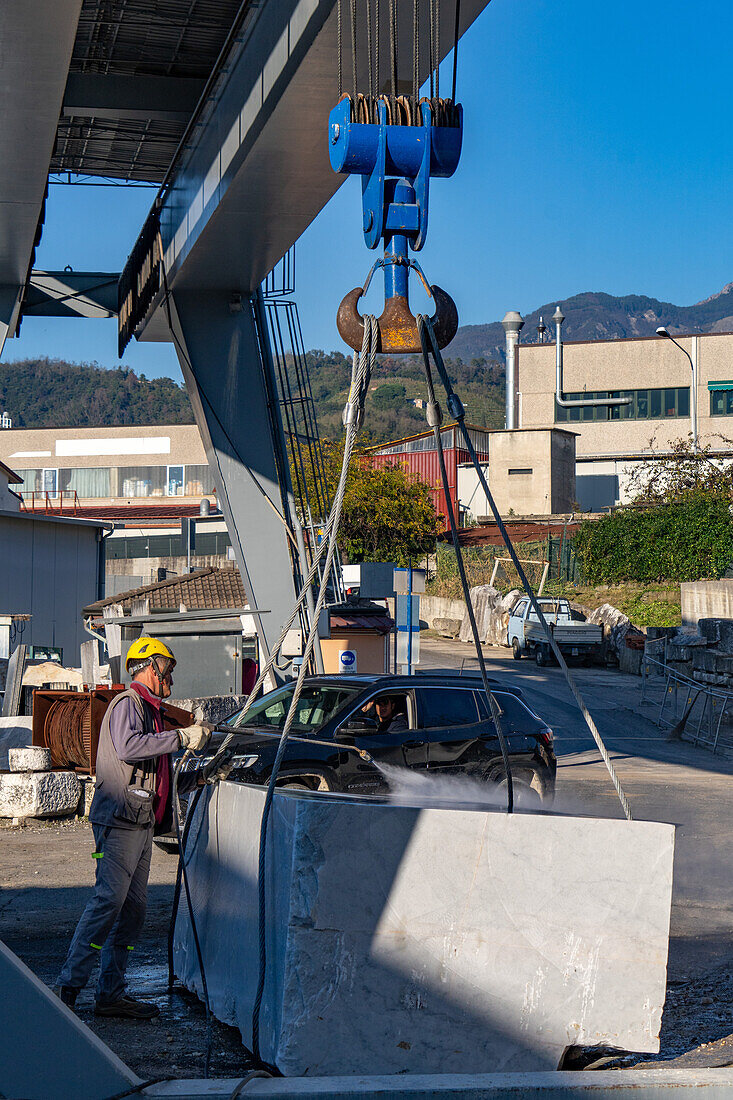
x: 355, y: 727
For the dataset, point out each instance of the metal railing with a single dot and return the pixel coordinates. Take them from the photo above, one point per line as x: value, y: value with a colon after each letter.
x: 699, y: 710
x: 40, y: 500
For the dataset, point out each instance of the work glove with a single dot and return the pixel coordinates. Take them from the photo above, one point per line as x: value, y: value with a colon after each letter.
x: 195, y: 737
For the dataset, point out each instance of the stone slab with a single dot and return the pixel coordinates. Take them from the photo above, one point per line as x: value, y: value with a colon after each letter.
x: 39, y: 794
x: 408, y: 940
x: 33, y: 758
x: 46, y: 1052
x: 625, y: 1084
x: 14, y: 733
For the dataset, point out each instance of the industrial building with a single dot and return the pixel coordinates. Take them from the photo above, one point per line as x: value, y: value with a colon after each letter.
x: 531, y: 472
x: 52, y: 566
x: 669, y: 397
x: 73, y: 467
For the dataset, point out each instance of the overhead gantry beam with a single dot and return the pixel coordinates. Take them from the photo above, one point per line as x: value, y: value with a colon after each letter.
x: 37, y: 39
x: 114, y: 96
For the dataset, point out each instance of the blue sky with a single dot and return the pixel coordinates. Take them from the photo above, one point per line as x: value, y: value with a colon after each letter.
x: 596, y: 157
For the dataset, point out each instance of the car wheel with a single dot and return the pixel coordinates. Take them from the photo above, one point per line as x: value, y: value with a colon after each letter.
x: 539, y: 656
x: 293, y: 785
x: 516, y: 651
x: 525, y: 798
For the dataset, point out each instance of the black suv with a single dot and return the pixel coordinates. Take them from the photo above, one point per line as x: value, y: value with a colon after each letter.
x: 432, y: 722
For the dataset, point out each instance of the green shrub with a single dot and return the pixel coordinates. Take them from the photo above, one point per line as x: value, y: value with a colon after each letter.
x: 687, y: 540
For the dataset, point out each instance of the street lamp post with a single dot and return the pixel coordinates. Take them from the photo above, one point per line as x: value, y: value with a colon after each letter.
x: 662, y: 331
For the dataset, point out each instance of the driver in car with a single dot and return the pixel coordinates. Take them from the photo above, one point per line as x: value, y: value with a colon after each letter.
x: 390, y: 713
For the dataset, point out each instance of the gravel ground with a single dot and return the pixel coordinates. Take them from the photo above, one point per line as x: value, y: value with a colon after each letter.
x: 46, y: 871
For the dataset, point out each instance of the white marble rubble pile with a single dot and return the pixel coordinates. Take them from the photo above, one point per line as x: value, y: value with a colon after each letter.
x: 408, y: 940
x: 31, y: 789
x: 491, y: 611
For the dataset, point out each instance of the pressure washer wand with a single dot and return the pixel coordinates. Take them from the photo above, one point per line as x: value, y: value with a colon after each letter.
x: 224, y: 753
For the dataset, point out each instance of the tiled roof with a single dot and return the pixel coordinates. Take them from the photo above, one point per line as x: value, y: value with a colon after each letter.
x: 209, y: 589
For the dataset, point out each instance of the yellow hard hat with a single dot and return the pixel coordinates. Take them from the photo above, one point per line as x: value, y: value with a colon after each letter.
x: 145, y: 648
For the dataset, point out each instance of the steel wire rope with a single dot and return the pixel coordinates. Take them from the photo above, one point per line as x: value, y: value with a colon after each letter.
x: 456, y: 409
x: 258, y: 684
x: 431, y: 47
x: 393, y: 47
x: 353, y: 49
x: 416, y: 58
x: 63, y: 731
x: 339, y: 49
x: 434, y: 418
x: 369, y: 55
x: 353, y: 411
x: 376, y: 53
x: 437, y: 49
x: 456, y: 36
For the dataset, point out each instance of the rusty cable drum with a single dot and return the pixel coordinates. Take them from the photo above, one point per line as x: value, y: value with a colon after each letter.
x: 67, y: 732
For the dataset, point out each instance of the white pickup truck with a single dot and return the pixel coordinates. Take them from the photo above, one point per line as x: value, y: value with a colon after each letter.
x: 525, y: 635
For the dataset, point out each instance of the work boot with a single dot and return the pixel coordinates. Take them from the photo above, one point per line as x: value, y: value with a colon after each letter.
x: 67, y: 994
x: 127, y: 1008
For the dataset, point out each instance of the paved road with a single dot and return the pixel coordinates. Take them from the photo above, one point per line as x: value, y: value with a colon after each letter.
x: 663, y: 780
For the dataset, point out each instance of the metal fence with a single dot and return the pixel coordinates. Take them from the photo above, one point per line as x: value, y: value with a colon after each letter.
x: 699, y: 713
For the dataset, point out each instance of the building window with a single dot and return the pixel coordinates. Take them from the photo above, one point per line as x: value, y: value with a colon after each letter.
x: 721, y: 402
x: 174, y: 481
x: 522, y: 471
x: 658, y: 404
x: 199, y: 481
x: 49, y: 481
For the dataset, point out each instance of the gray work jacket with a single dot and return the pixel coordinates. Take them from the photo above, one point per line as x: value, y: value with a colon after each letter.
x: 127, y: 761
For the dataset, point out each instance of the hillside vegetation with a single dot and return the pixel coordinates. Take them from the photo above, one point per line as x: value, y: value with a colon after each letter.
x: 54, y: 393
x: 51, y: 393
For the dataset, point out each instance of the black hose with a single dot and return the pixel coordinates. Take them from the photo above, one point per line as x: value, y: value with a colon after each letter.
x: 179, y: 878
x: 194, y: 930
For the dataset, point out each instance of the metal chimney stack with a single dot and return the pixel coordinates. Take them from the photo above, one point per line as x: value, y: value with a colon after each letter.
x: 513, y: 324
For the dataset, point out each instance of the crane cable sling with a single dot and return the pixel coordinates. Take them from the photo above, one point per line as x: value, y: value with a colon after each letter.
x: 353, y: 416
x: 353, y: 413
x: 455, y: 407
x: 434, y: 418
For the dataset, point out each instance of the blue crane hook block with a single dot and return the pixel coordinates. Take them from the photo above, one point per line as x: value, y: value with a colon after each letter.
x: 396, y: 162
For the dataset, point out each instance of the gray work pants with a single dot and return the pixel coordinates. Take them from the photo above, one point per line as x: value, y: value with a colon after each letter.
x: 114, y: 915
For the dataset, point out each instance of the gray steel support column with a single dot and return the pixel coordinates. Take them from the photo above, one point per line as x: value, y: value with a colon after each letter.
x: 218, y: 346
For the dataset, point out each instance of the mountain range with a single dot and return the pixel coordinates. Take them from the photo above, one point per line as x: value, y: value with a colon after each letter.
x: 597, y: 316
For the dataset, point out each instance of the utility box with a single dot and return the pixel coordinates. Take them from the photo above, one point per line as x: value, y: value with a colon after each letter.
x: 362, y: 631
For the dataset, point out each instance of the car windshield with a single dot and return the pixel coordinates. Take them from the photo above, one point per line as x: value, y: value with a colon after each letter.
x: 555, y: 610
x: 318, y: 703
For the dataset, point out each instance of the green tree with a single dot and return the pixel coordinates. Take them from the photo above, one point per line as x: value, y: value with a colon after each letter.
x: 388, y: 396
x: 388, y: 514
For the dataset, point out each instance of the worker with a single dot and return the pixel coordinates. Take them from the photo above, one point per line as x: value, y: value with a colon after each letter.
x: 132, y: 800
x: 391, y: 720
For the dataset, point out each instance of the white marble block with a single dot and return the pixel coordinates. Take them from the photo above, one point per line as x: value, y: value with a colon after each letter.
x: 39, y: 794
x: 33, y: 758
x: 428, y: 940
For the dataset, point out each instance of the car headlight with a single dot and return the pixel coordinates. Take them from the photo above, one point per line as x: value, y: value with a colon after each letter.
x: 242, y: 761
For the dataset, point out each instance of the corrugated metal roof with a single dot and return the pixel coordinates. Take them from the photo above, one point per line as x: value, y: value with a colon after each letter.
x: 165, y: 38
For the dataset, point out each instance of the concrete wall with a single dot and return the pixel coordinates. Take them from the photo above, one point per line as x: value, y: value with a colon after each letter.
x: 706, y: 600
x: 437, y: 607
x: 50, y: 571
x: 626, y: 364
x: 402, y: 939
